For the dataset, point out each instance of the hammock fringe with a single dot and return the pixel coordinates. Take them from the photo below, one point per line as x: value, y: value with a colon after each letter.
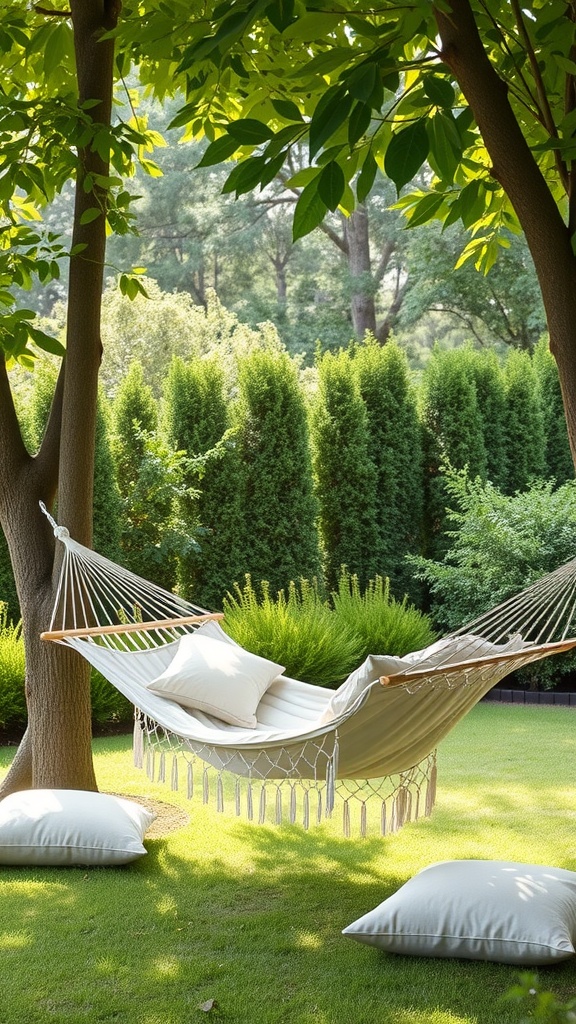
x: 309, y: 802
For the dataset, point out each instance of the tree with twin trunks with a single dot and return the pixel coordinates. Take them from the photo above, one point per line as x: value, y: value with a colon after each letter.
x: 481, y: 93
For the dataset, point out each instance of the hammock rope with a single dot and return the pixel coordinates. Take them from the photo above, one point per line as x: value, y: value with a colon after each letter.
x: 379, y: 749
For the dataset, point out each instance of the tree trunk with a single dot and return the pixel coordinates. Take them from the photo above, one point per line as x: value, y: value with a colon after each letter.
x: 56, y: 750
x: 515, y: 168
x: 359, y: 266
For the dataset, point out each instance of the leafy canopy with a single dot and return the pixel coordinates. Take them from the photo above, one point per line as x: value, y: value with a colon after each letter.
x: 366, y: 89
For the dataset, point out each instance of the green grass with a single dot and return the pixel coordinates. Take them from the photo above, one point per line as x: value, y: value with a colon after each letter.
x: 251, y: 917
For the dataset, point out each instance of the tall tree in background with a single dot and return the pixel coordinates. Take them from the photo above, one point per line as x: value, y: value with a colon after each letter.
x: 345, y: 473
x: 395, y: 447
x: 486, y: 92
x: 279, y: 508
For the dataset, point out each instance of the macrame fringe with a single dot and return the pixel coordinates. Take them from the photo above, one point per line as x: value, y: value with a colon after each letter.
x: 396, y: 800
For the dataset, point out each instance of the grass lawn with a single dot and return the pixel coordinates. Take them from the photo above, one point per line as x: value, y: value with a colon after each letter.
x: 251, y: 916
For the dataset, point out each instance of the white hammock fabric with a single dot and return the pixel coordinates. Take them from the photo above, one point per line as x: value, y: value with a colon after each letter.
x: 311, y: 747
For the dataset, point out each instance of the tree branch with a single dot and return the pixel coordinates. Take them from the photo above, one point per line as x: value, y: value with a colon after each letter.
x: 48, y: 457
x: 513, y: 164
x: 544, y: 105
x: 387, y: 251
x: 14, y: 455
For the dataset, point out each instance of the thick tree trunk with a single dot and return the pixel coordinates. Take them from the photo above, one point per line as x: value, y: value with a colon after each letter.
x: 359, y: 266
x: 56, y: 751
x: 514, y: 167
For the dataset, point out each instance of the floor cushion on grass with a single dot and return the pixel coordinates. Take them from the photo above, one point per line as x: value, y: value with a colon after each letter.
x: 54, y: 827
x: 478, y: 910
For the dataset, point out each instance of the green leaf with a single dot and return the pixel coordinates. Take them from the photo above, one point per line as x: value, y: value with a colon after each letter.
x: 443, y: 156
x: 366, y: 177
x: 331, y: 185
x: 425, y: 209
x: 287, y: 109
x: 249, y: 132
x: 359, y: 122
x: 406, y: 153
x: 362, y: 82
x: 310, y: 211
x: 271, y: 168
x: 218, y: 151
x: 47, y: 343
x: 89, y: 215
x: 328, y: 117
x: 280, y: 14
x: 439, y: 91
x: 245, y: 176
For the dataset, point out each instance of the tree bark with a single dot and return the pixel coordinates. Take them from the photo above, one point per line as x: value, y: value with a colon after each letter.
x: 56, y: 749
x: 359, y: 265
x: 515, y: 168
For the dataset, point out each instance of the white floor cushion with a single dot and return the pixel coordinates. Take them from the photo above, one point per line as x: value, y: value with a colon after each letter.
x: 478, y: 910
x: 56, y: 827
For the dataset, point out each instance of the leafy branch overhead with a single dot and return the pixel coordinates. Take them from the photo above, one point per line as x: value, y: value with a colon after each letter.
x: 369, y: 89
x: 366, y: 88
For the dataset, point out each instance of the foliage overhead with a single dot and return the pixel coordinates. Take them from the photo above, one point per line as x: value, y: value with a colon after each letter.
x: 366, y: 89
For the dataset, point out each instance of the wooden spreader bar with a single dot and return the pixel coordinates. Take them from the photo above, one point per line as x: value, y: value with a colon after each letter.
x: 401, y: 678
x: 130, y: 627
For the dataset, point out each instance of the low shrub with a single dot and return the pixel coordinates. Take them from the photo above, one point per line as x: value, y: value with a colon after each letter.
x: 298, y: 629
x: 385, y: 625
x: 319, y: 642
x: 108, y: 705
x: 499, y: 545
x: 12, y: 673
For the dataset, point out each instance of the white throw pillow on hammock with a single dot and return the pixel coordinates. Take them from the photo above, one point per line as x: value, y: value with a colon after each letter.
x: 447, y: 651
x: 221, y: 679
x: 477, y: 910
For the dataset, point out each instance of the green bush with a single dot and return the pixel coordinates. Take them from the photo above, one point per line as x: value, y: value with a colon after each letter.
x: 196, y: 421
x: 344, y: 471
x: 385, y: 625
x: 297, y: 629
x: 525, y: 436
x: 559, y: 464
x: 395, y: 447
x: 12, y: 673
x: 453, y: 433
x: 319, y: 642
x: 500, y: 544
x: 278, y: 526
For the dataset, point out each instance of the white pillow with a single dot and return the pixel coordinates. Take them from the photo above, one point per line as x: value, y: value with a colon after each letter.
x: 219, y: 678
x: 69, y: 826
x: 478, y: 910
x: 448, y: 651
x: 349, y: 691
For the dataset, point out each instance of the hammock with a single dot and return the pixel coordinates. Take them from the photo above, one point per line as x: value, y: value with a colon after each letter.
x: 374, y: 737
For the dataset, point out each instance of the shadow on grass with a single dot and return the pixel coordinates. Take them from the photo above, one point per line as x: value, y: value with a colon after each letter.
x: 248, y: 917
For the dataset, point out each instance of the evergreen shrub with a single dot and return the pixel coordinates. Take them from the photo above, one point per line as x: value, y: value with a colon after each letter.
x: 197, y: 422
x: 109, y: 706
x: 500, y: 544
x: 320, y: 641
x: 344, y: 471
x: 297, y: 628
x: 12, y: 673
x: 385, y: 625
x: 525, y: 436
x: 395, y: 447
x: 279, y: 509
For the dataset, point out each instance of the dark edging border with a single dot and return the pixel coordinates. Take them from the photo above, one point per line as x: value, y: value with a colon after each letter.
x: 565, y: 700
